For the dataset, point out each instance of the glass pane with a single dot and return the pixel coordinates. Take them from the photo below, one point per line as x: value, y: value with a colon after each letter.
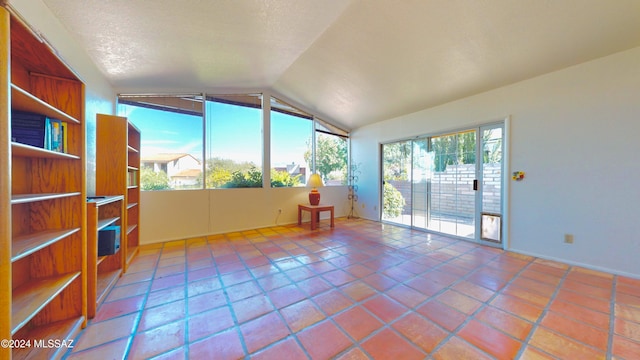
x: 442, y: 204
x: 492, y: 171
x: 234, y: 142
x: 331, y: 158
x: 422, y: 172
x: 171, y: 141
x: 465, y: 177
x: 396, y: 161
x: 451, y: 195
x: 291, y: 148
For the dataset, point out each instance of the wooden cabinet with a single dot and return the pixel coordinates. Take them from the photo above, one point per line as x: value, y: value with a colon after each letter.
x: 102, y: 271
x: 42, y: 199
x: 118, y: 172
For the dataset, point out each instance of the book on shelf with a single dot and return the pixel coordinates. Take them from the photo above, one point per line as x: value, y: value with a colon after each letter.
x: 64, y: 128
x: 38, y: 130
x: 56, y: 135
x: 132, y: 178
x: 29, y: 128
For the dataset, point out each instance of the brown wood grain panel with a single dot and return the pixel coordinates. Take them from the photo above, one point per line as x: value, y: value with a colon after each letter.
x: 59, y: 258
x: 63, y: 306
x: 61, y: 93
x: 5, y: 188
x: 33, y: 54
x: 55, y: 214
x: 102, y: 274
x: 20, y: 219
x: 117, y: 154
x: 20, y: 273
x: 20, y: 75
x: 132, y: 238
x: 66, y: 329
x: 111, y: 158
x: 46, y: 192
x: 20, y: 180
x: 56, y: 175
x: 92, y: 255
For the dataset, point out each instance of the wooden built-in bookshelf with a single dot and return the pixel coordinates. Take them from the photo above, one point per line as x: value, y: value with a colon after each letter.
x: 42, y: 202
x: 118, y: 172
x: 102, y: 271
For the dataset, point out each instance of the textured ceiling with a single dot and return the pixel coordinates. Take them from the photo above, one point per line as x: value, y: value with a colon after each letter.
x: 353, y: 62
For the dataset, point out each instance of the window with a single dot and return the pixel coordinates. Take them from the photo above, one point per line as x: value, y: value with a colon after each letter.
x: 291, y: 145
x: 171, y: 148
x: 331, y: 154
x: 216, y: 141
x: 234, y: 141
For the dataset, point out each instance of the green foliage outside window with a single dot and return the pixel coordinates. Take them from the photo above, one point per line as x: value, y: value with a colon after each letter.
x: 151, y: 180
x: 284, y: 179
x: 226, y: 173
x: 453, y: 150
x: 397, y: 161
x: 331, y: 156
x: 251, y: 178
x: 393, y: 201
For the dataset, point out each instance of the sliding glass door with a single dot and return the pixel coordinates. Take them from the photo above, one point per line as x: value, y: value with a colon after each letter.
x: 451, y: 196
x: 449, y: 183
x: 491, y: 177
x: 396, y: 187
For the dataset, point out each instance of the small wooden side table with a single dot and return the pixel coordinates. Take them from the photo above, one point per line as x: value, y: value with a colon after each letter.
x: 314, y: 210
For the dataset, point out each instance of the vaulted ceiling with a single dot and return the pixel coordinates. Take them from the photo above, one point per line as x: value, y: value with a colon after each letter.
x: 353, y: 62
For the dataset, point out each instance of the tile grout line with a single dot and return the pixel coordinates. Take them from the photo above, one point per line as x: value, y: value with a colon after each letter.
x: 544, y: 312
x: 132, y: 336
x: 185, y: 318
x: 429, y: 298
x: 485, y: 304
x: 335, y: 252
x: 265, y: 294
x: 187, y: 343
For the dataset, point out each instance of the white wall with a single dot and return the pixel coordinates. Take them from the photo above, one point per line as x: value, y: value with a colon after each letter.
x: 576, y: 134
x: 181, y: 214
x: 99, y: 96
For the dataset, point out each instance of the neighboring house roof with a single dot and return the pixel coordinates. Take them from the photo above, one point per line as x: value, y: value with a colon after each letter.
x: 188, y: 173
x: 165, y: 157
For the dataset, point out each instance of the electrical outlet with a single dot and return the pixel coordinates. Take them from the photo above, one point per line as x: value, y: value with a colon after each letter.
x: 568, y: 238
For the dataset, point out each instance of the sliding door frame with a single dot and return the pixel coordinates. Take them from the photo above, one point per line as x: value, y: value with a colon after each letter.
x: 505, y: 188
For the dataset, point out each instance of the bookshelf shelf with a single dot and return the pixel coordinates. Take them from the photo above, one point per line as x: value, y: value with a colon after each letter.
x: 117, y: 172
x: 131, y: 228
x: 32, y: 297
x: 106, y: 281
x: 35, y: 152
x: 26, y: 245
x: 42, y: 202
x: 24, y: 101
x: 103, y: 271
x: 29, y: 198
x: 64, y: 329
x: 106, y: 222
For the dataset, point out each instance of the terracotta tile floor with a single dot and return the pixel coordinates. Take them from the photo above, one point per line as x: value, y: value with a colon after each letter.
x: 361, y: 290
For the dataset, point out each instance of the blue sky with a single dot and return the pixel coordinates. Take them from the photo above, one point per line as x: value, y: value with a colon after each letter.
x: 236, y: 133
